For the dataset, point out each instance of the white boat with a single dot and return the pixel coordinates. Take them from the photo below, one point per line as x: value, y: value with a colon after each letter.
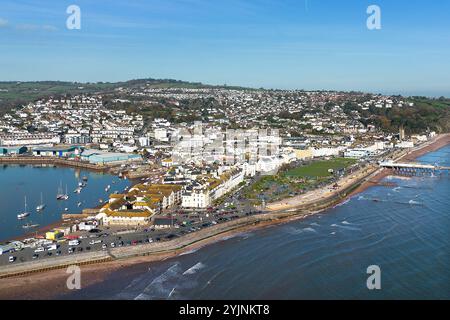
x: 107, y: 188
x: 61, y: 195
x: 77, y: 190
x: 41, y: 206
x: 29, y: 226
x: 24, y: 214
x: 85, y: 178
x: 79, y: 204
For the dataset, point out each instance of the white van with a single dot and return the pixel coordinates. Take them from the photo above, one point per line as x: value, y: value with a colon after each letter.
x: 12, y: 259
x: 52, y: 247
x: 74, y: 242
x: 40, y: 249
x: 95, y: 242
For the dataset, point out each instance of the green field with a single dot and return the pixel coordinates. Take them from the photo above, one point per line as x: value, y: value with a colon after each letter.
x: 320, y: 168
x: 294, y: 181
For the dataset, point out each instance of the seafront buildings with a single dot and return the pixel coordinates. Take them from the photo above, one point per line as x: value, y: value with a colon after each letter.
x: 213, y: 142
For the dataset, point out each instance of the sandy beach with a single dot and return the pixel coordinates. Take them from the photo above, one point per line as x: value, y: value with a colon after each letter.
x: 36, y: 285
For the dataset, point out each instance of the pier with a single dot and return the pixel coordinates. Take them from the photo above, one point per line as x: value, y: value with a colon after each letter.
x: 416, y: 169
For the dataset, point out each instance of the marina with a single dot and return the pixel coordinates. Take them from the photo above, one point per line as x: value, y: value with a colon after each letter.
x: 42, y: 186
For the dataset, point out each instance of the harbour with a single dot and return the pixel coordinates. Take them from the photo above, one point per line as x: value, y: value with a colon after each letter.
x: 41, y: 185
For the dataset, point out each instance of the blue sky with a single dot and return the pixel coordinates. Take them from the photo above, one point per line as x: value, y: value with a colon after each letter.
x: 288, y: 44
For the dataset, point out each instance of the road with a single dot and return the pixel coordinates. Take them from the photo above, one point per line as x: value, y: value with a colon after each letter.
x: 107, y: 239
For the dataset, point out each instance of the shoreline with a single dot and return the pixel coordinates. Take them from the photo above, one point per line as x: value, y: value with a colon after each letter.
x: 30, y: 286
x: 58, y: 162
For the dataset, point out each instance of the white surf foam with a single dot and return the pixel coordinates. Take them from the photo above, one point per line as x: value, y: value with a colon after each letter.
x: 194, y: 268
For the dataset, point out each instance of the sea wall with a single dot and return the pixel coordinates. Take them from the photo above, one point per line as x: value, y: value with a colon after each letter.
x: 53, y: 161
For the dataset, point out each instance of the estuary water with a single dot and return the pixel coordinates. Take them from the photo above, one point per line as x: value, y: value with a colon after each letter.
x: 20, y: 181
x: 403, y: 229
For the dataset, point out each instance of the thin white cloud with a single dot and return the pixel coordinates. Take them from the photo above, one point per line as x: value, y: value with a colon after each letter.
x: 49, y: 28
x: 35, y: 27
x: 3, y: 23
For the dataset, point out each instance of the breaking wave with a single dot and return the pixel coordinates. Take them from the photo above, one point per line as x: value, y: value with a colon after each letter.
x: 194, y: 268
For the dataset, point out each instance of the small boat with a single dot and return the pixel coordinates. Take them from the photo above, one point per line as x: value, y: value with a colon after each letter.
x: 60, y: 195
x: 100, y: 200
x: 107, y: 188
x: 85, y: 178
x: 24, y: 214
x: 41, y: 206
x: 66, y: 209
x: 79, y: 204
x: 376, y: 200
x: 77, y: 190
x: 29, y: 226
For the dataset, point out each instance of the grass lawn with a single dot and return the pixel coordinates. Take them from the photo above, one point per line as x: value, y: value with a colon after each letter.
x: 295, y: 180
x: 320, y: 168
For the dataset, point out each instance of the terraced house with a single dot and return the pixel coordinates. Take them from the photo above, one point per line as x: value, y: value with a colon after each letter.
x: 202, y: 192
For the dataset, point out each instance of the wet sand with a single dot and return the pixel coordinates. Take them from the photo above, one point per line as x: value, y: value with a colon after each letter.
x: 36, y: 286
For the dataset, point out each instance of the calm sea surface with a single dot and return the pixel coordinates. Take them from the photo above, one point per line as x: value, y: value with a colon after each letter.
x: 405, y: 231
x: 18, y: 182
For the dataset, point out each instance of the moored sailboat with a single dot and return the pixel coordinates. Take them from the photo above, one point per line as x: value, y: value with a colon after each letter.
x: 41, y: 206
x: 61, y: 195
x: 24, y: 214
